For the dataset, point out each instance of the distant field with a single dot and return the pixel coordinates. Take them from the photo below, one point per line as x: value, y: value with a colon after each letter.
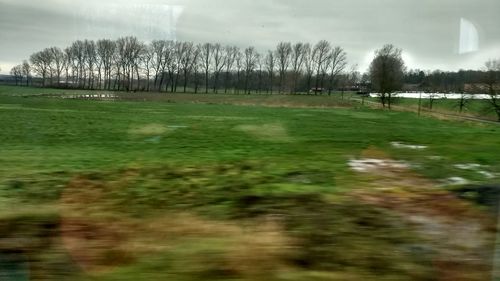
x: 264, y: 99
x: 241, y: 187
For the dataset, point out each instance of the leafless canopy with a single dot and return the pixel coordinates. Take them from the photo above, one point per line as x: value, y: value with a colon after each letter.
x: 387, y: 72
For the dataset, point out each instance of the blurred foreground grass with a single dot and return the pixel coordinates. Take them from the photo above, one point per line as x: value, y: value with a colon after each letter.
x: 186, y: 191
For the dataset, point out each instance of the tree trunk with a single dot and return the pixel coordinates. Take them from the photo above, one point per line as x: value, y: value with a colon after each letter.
x: 196, y: 82
x: 185, y: 80
x: 138, y: 79
x: 216, y: 78
x: 206, y: 81
x: 226, y: 83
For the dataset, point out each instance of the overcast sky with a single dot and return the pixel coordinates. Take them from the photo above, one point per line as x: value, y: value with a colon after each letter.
x: 429, y: 31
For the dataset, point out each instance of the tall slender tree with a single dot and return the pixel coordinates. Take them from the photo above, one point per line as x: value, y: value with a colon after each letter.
x: 298, y: 58
x: 320, y: 57
x: 270, y: 63
x: 338, y: 62
x: 283, y: 55
x: 250, y: 62
x: 218, y: 63
x: 206, y: 54
x: 230, y: 57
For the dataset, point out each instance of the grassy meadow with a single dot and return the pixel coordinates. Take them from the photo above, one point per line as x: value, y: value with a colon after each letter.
x: 481, y: 109
x: 241, y: 187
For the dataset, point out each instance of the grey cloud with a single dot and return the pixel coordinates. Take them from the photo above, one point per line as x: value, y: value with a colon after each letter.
x: 428, y: 30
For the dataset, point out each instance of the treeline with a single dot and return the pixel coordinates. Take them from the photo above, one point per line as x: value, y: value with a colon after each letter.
x: 445, y: 81
x: 128, y: 64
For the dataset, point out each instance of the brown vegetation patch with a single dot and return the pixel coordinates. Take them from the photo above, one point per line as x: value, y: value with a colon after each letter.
x: 99, y: 240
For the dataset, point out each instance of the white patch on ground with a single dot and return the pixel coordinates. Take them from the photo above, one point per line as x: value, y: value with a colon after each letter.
x: 467, y: 166
x: 456, y: 181
x: 368, y: 165
x: 487, y: 175
x: 407, y: 146
x: 475, y: 167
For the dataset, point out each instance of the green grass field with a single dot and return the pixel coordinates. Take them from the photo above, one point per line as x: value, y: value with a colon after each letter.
x: 250, y: 187
x: 473, y: 108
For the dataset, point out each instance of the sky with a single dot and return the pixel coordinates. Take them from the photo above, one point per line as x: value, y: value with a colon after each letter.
x: 434, y: 34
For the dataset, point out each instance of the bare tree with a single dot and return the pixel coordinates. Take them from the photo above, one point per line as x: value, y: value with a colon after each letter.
x: 58, y: 62
x: 17, y: 72
x: 128, y: 51
x: 239, y: 68
x: 298, y: 57
x: 270, y: 62
x: 218, y: 63
x: 320, y: 57
x: 230, y: 55
x: 158, y: 47
x: 136, y: 49
x: 106, y: 50
x: 196, y: 65
x: 491, y: 79
x: 129, y: 64
x: 309, y: 65
x: 68, y: 63
x: 90, y: 60
x: 41, y: 64
x: 78, y: 54
x: 387, y: 72
x: 338, y: 62
x: 283, y: 55
x: 170, y: 63
x: 146, y: 57
x: 260, y: 71
x: 180, y: 51
x: 250, y: 62
x: 26, y: 69
x: 122, y: 63
x: 138, y: 63
x: 206, y: 54
x: 462, y: 101
x: 187, y: 62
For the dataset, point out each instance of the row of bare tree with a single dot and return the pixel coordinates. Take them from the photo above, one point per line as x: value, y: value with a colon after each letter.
x: 161, y: 65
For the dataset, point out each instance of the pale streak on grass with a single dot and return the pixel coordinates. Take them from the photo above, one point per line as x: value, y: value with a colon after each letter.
x: 275, y: 132
x: 149, y: 130
x: 219, y: 118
